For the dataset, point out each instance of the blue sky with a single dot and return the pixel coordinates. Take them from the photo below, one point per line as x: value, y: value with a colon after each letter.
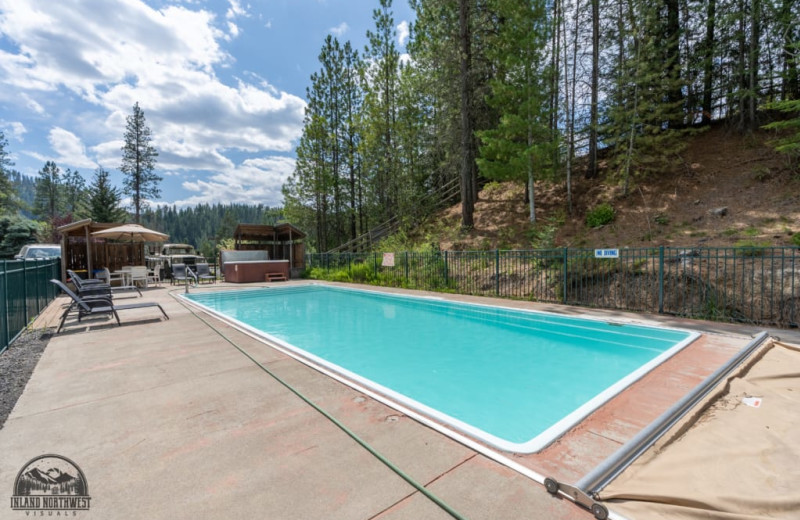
x: 222, y: 84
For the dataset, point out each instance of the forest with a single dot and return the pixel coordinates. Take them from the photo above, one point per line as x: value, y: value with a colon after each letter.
x: 535, y: 92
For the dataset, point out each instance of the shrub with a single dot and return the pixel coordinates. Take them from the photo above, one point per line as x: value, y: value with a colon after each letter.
x: 796, y: 239
x: 600, y: 215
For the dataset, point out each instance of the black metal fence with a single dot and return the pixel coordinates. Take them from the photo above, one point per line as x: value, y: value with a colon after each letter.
x: 25, y: 290
x: 746, y: 285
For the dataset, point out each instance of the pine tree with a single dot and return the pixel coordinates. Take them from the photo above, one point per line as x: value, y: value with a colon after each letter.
x: 789, y: 142
x: 75, y: 194
x: 380, y: 112
x: 8, y: 201
x: 104, y: 199
x: 49, y: 202
x: 520, y: 146
x: 138, y: 162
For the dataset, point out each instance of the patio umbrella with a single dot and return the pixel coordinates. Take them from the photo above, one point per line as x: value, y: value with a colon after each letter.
x: 131, y: 233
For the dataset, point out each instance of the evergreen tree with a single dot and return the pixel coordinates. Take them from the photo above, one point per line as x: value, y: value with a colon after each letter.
x: 138, y: 162
x: 75, y: 194
x: 49, y: 201
x: 380, y: 112
x: 104, y: 199
x: 8, y: 201
x: 789, y: 143
x: 519, y: 147
x: 15, y: 232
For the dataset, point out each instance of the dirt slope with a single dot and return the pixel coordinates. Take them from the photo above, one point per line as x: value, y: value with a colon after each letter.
x: 722, y: 169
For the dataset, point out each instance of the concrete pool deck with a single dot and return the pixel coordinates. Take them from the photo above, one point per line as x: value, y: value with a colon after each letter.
x: 168, y: 420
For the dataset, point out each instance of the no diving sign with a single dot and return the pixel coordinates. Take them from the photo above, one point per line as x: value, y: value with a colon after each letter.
x: 606, y: 253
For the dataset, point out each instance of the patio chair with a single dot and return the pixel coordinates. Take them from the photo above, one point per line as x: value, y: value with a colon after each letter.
x: 154, y: 276
x: 181, y: 273
x: 88, y: 287
x: 97, y: 305
x: 138, y: 274
x: 203, y: 273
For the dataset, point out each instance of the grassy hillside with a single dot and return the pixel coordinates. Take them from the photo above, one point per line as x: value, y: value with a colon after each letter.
x: 722, y: 169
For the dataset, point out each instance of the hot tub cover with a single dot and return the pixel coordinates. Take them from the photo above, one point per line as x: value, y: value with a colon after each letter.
x: 736, y: 456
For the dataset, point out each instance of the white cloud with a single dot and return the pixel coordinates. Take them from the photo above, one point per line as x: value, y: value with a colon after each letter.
x: 13, y: 130
x: 70, y: 150
x: 403, y: 33
x: 255, y: 181
x: 340, y: 29
x: 233, y: 30
x: 114, y: 53
x: 236, y: 9
x: 33, y: 104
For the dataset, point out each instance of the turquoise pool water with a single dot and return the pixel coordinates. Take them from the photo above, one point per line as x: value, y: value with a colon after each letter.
x: 514, y: 379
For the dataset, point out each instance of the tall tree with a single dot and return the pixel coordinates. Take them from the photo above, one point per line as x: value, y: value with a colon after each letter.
x: 380, y: 107
x: 8, y: 202
x: 104, y: 199
x: 49, y: 201
x: 469, y: 170
x: 519, y: 147
x: 709, y: 44
x: 591, y: 170
x: 138, y: 162
x: 75, y: 194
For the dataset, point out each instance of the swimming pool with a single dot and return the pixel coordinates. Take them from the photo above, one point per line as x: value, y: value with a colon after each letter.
x: 513, y: 379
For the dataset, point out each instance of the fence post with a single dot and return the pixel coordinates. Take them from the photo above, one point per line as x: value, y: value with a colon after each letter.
x: 661, y: 279
x: 446, y: 274
x: 36, y: 279
x: 4, y: 315
x: 375, y: 262
x: 25, y: 290
x: 497, y: 272
x: 407, y: 268
x: 566, y: 257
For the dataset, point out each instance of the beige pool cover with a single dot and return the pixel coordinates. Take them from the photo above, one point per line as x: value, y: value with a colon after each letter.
x: 736, y: 456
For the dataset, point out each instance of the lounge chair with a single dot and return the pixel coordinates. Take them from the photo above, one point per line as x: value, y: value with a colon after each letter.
x: 97, y: 305
x: 92, y: 287
x: 203, y: 273
x: 181, y: 273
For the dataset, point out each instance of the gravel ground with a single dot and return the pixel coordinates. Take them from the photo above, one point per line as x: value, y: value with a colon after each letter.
x: 16, y: 366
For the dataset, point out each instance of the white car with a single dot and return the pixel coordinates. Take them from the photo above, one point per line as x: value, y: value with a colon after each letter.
x: 38, y: 252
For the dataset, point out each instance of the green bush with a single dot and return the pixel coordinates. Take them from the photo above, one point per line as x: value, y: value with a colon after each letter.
x: 600, y: 215
x: 796, y: 239
x: 362, y: 273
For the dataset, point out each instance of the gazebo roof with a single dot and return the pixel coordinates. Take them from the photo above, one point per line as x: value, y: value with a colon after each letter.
x: 263, y: 232
x: 78, y: 229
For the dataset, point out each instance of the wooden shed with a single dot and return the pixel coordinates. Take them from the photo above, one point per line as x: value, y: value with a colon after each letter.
x: 282, y: 242
x: 83, y: 253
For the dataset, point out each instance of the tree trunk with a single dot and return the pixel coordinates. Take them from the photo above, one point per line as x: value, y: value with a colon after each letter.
x: 673, y: 62
x: 467, y: 140
x: 591, y: 171
x: 708, y: 62
x: 755, y: 38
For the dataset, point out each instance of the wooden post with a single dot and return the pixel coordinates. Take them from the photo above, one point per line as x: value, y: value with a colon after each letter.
x: 64, y: 258
x: 291, y: 252
x: 89, y: 266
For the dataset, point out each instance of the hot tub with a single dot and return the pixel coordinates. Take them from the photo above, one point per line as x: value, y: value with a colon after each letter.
x: 243, y: 271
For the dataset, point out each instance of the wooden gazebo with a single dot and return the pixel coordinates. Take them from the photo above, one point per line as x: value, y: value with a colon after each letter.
x: 283, y: 242
x: 83, y: 253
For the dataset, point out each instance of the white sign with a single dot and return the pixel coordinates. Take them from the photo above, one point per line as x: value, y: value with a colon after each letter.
x: 606, y: 253
x: 388, y: 260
